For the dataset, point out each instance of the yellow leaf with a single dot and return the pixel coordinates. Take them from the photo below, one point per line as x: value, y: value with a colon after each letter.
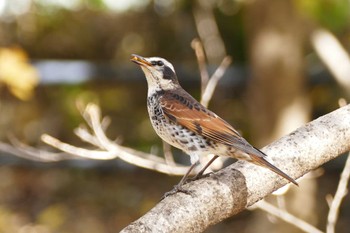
x: 17, y: 73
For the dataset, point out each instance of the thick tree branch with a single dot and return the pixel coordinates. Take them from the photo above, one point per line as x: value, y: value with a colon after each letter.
x: 240, y: 185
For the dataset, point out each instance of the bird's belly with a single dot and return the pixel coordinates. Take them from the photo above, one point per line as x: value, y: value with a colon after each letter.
x: 181, y: 137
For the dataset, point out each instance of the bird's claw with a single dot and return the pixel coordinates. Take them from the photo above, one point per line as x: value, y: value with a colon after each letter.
x: 177, y: 189
x: 199, y: 176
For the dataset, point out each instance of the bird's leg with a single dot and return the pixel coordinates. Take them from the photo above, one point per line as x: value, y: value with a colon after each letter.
x: 178, y: 187
x: 200, y: 173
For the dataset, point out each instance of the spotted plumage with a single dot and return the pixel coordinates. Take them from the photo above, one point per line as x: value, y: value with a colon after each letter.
x: 186, y: 124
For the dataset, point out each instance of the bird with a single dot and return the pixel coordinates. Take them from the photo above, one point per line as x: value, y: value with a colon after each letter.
x: 180, y: 120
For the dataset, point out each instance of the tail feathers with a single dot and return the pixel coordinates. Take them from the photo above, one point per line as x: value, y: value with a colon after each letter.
x: 259, y: 160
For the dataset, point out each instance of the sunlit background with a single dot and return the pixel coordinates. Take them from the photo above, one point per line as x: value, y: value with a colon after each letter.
x: 290, y: 65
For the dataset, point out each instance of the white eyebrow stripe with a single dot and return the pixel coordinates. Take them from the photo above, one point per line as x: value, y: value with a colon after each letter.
x: 150, y: 59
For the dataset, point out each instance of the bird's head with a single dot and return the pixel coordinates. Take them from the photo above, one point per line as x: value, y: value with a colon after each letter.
x: 160, y: 73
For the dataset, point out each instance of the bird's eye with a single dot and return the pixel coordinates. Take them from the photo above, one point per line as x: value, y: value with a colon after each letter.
x: 157, y: 63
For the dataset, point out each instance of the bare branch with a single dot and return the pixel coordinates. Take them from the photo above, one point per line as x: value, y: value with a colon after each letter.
x: 208, y: 31
x: 240, y: 185
x: 4, y: 147
x: 108, y: 149
x: 333, y: 55
x: 202, y: 65
x: 22, y: 150
x: 129, y: 155
x: 77, y: 151
x: 338, y: 197
x: 105, y: 148
x: 83, y: 133
x: 213, y: 81
x: 208, y: 85
x: 168, y: 155
x: 297, y: 222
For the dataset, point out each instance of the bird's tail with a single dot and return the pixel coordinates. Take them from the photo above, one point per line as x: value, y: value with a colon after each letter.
x: 261, y: 161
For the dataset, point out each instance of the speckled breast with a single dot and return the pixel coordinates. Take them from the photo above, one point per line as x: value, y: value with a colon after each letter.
x: 174, y: 134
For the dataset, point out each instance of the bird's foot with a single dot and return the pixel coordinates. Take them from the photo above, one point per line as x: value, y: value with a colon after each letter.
x: 199, y: 176
x: 177, y: 189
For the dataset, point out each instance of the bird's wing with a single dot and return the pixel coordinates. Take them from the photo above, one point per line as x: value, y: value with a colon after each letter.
x: 183, y: 109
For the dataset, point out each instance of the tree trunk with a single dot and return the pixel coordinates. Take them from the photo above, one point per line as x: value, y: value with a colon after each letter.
x: 276, y: 90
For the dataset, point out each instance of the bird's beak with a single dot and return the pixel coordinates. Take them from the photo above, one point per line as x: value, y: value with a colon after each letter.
x: 140, y: 60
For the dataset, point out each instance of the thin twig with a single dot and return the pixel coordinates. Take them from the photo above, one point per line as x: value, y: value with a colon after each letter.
x: 287, y: 217
x: 77, y: 151
x: 338, y: 197
x: 83, y: 133
x: 86, y: 136
x: 213, y: 81
x: 197, y: 46
x: 168, y: 154
x: 27, y: 152
x: 33, y: 154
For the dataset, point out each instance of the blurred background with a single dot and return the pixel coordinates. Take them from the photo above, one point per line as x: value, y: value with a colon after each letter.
x: 290, y: 65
